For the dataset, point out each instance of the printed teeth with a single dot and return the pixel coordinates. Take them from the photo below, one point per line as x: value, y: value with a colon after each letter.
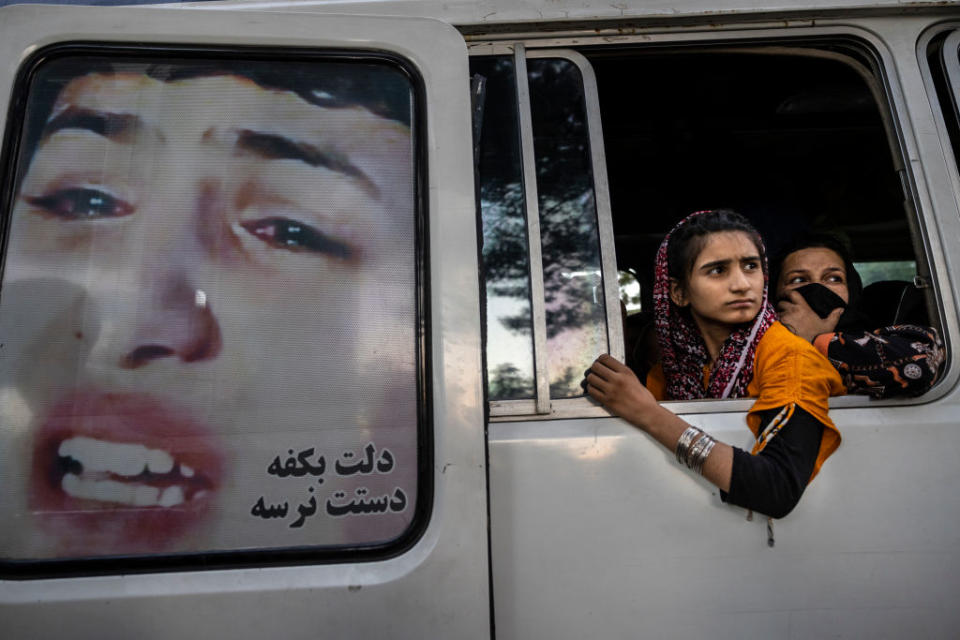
x: 136, y: 495
x: 126, y: 460
x: 171, y: 497
x: 159, y: 461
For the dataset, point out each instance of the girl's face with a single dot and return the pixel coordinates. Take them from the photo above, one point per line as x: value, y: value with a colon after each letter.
x: 725, y: 286
x: 816, y: 264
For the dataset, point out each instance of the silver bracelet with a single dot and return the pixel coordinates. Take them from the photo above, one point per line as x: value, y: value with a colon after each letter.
x: 699, y: 457
x: 696, y: 449
x: 683, y: 444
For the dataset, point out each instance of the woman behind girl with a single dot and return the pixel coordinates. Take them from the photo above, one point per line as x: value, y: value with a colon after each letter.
x: 719, y: 338
x: 898, y: 360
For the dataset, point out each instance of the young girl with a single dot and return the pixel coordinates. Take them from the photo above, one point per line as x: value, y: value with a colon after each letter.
x: 719, y: 338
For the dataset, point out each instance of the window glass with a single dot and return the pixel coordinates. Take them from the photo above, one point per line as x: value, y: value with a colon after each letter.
x: 510, y: 370
x: 208, y: 309
x: 796, y: 143
x: 871, y: 272
x: 630, y: 292
x: 573, y: 284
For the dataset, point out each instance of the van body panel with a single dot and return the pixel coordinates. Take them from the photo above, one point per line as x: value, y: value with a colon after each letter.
x: 593, y: 485
x: 594, y: 530
x: 438, y: 586
x: 495, y: 13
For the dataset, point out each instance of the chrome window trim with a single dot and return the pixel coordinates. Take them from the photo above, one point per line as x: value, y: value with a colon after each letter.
x: 532, y: 212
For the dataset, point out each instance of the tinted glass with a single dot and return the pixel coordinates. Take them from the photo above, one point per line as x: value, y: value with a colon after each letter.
x: 573, y: 285
x: 510, y: 370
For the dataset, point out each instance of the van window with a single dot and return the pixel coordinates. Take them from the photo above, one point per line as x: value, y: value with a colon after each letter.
x: 209, y: 308
x: 572, y: 272
x: 568, y: 281
x: 506, y: 266
x: 884, y: 270
x: 794, y: 137
x: 630, y: 292
x: 794, y: 142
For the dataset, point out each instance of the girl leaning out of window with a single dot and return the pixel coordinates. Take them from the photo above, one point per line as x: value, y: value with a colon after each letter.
x: 719, y: 338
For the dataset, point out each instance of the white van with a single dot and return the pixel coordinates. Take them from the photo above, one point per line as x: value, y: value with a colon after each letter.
x: 297, y: 297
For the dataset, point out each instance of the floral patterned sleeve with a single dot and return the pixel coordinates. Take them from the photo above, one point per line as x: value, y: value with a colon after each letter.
x: 902, y: 360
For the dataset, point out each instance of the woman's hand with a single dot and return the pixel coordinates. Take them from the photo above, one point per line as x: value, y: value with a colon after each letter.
x: 615, y: 386
x: 797, y: 315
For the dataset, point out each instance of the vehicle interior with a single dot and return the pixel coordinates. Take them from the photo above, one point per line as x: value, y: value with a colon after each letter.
x: 793, y: 138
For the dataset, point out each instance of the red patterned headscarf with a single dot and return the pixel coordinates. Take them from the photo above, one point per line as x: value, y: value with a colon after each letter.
x: 683, y: 351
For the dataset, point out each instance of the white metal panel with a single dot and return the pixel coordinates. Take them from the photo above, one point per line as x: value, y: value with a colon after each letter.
x: 596, y: 527
x: 491, y: 12
x: 596, y: 531
x: 439, y: 587
x: 939, y: 116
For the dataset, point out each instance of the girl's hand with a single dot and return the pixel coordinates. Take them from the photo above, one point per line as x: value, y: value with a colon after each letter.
x: 616, y: 387
x: 797, y: 315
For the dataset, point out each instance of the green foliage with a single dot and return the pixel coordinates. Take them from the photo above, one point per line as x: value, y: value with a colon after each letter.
x: 507, y: 383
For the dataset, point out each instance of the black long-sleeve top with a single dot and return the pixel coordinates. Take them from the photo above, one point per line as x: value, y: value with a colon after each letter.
x: 772, y: 481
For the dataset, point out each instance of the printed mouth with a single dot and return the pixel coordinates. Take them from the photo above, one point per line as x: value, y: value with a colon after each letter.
x: 121, y: 473
x: 126, y: 474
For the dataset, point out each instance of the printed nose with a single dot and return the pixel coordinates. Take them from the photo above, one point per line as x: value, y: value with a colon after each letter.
x: 179, y: 323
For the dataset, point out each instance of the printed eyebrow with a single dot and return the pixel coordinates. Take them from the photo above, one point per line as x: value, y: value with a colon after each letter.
x: 121, y: 127
x: 276, y: 147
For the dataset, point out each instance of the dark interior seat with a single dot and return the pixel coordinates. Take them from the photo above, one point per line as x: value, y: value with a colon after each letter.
x: 891, y: 302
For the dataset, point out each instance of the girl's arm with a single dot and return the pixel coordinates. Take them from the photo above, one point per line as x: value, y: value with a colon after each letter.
x: 773, y: 481
x: 617, y: 388
x: 770, y: 482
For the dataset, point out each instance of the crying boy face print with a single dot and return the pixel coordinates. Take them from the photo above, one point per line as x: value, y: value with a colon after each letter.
x: 206, y: 273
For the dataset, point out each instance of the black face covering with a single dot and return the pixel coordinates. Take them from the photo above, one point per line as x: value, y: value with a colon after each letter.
x: 821, y: 299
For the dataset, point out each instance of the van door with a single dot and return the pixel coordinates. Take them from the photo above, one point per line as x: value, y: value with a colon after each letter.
x: 593, y: 525
x: 241, y: 374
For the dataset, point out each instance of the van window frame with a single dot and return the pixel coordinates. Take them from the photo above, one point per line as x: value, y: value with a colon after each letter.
x: 10, y: 155
x: 891, y: 103
x: 542, y: 404
x: 946, y: 31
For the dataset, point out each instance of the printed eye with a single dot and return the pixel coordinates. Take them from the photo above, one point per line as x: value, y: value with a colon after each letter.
x: 81, y: 203
x: 283, y: 233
